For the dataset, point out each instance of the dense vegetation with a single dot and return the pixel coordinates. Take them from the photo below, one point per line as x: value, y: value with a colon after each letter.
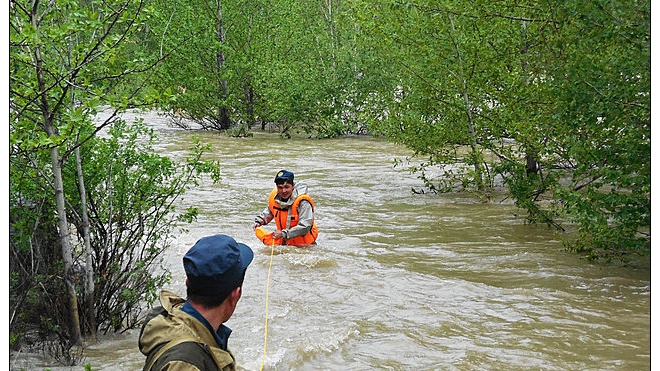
x: 549, y: 102
x: 545, y: 102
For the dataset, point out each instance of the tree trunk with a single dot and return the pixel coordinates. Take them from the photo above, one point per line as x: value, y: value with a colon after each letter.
x: 224, y: 120
x: 474, y: 145
x: 90, y: 312
x: 248, y: 92
x: 65, y: 241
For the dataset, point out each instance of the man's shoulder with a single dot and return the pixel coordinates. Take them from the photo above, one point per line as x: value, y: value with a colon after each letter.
x: 187, y: 353
x: 303, y: 202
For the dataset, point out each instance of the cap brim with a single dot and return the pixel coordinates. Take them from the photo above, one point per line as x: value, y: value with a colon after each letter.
x: 247, y: 255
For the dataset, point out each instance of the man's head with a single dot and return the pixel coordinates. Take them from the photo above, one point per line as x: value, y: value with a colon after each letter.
x: 215, y: 266
x: 283, y: 176
x: 284, y: 182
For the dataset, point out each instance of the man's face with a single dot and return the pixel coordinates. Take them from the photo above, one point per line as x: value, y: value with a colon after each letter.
x: 284, y: 190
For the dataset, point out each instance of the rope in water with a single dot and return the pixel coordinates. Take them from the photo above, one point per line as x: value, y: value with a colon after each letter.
x: 270, y: 265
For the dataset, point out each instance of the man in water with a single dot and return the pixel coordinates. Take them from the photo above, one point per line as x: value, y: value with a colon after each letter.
x: 293, y: 211
x: 189, y: 334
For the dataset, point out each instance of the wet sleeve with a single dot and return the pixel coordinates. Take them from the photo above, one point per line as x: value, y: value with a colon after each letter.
x: 264, y: 217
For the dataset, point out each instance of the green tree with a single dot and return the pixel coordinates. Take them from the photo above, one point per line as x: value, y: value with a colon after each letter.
x: 449, y: 66
x: 290, y: 64
x: 599, y: 124
x: 197, y: 73
x: 67, y: 59
x: 550, y: 100
x: 133, y: 197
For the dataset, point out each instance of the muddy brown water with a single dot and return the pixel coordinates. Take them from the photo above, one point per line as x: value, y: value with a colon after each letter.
x: 398, y: 281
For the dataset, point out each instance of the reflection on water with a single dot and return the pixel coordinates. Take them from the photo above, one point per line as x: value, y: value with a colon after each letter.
x: 398, y: 281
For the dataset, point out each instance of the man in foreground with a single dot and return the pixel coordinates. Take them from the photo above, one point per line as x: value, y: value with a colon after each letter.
x: 189, y: 334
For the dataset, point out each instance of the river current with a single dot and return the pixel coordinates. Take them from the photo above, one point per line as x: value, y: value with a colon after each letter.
x: 398, y: 280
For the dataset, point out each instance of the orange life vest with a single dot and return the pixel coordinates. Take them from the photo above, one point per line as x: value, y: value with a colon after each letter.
x: 281, y: 216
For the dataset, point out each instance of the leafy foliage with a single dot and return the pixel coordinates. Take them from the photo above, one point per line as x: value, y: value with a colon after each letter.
x: 553, y: 102
x: 274, y: 72
x: 67, y: 59
x: 133, y: 194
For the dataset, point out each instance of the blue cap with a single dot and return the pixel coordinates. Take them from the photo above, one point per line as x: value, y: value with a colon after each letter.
x: 215, y: 265
x: 284, y: 176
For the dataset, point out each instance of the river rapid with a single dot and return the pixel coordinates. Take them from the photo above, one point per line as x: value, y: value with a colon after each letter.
x: 398, y: 281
